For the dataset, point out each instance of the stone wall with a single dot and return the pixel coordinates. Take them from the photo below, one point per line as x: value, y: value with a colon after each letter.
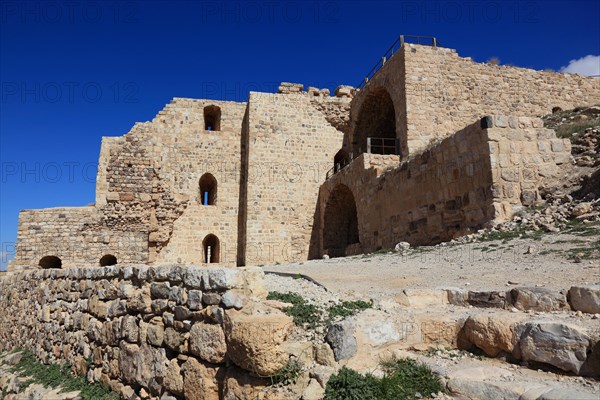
x: 187, y: 331
x: 291, y: 147
x: 185, y: 152
x: 484, y: 172
x: 269, y: 156
x: 524, y: 157
x: 436, y: 92
x: 66, y: 233
x: 147, y: 180
x: 445, y: 92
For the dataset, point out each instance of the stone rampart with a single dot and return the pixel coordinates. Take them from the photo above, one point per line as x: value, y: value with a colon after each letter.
x: 192, y: 332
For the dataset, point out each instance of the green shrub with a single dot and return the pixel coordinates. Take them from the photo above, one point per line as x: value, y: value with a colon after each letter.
x: 288, y: 374
x: 402, y: 379
x: 311, y: 316
x: 304, y: 314
x: 348, y: 384
x: 347, y: 309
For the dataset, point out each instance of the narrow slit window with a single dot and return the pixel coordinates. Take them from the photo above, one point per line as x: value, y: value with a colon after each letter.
x: 211, y: 249
x: 208, y: 190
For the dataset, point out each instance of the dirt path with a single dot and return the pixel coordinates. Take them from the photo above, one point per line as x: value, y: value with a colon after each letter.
x: 545, y: 261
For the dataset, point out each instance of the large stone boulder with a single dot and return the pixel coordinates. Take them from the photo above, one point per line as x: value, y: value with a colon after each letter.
x: 341, y: 337
x: 560, y: 345
x: 207, y: 341
x: 538, y: 299
x: 200, y: 382
x: 143, y: 365
x: 585, y: 298
x: 255, y: 336
x: 173, y: 380
x: 241, y: 385
x: 491, y: 333
x: 491, y: 299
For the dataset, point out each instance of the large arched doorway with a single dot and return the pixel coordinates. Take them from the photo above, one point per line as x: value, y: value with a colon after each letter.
x: 340, y: 222
x: 211, y: 253
x: 50, y: 262
x: 375, y: 130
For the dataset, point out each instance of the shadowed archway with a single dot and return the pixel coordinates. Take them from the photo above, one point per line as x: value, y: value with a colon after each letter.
x: 340, y: 160
x: 107, y: 260
x: 50, y: 262
x: 340, y: 222
x: 377, y: 120
x: 212, y: 118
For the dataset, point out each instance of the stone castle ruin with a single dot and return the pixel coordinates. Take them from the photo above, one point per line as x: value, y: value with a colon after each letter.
x: 430, y: 147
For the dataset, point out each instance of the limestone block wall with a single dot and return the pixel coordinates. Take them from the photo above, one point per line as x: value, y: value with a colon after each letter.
x: 170, y: 330
x: 289, y: 149
x: 185, y: 151
x: 445, y: 92
x: 65, y: 233
x: 146, y: 180
x: 435, y: 92
x: 524, y: 156
x: 481, y: 174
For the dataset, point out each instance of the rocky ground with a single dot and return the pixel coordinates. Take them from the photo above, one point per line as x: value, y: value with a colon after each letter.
x: 544, y: 259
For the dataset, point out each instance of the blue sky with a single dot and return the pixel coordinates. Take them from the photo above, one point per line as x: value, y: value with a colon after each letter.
x: 73, y: 72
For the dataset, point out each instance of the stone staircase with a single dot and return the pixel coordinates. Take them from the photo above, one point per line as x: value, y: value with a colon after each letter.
x: 522, y: 343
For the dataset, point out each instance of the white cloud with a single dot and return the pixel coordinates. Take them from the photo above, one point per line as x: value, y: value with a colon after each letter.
x: 588, y: 65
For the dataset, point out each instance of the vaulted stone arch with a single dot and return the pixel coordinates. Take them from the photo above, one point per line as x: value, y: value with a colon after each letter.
x: 208, y: 190
x: 50, y: 262
x: 340, y: 222
x: 376, y: 118
x: 107, y: 260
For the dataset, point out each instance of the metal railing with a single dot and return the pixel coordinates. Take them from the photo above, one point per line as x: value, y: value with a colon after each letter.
x: 337, y: 167
x: 397, y: 45
x: 386, y: 146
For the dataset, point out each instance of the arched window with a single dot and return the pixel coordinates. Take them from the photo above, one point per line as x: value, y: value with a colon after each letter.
x: 211, y: 248
x: 108, y: 259
x: 340, y: 160
x: 208, y: 190
x: 212, y: 118
x: 50, y: 262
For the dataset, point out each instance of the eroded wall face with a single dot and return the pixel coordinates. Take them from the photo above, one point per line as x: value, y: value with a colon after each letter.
x: 445, y: 92
x: 291, y: 147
